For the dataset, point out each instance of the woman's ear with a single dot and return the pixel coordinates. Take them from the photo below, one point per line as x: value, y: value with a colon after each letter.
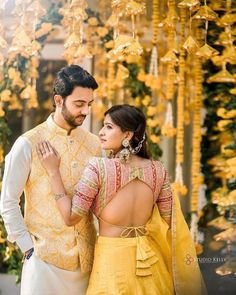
x: 129, y: 135
x: 58, y: 100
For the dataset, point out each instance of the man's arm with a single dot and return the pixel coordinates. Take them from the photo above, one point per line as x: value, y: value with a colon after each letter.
x: 16, y: 173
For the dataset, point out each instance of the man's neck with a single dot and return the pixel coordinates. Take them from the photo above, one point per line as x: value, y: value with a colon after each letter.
x: 59, y: 120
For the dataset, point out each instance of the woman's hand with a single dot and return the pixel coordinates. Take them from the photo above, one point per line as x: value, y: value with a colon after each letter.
x: 48, y: 157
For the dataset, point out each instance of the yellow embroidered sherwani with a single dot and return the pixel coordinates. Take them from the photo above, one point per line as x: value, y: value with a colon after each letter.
x: 54, y: 242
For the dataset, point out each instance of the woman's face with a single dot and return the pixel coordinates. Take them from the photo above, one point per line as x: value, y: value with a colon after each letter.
x: 111, y: 136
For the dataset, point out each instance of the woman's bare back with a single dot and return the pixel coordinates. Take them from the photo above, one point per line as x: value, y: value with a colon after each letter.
x: 131, y: 205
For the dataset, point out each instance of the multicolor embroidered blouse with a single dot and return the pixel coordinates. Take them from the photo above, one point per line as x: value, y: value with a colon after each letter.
x: 103, y: 177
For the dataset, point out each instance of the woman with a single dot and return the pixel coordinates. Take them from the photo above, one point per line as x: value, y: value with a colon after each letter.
x: 144, y: 246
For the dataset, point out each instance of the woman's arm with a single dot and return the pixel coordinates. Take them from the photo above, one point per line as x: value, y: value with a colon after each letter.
x: 50, y: 160
x: 165, y: 199
x: 64, y: 203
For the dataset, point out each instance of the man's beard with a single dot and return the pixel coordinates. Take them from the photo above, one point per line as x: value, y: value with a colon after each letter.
x: 69, y: 118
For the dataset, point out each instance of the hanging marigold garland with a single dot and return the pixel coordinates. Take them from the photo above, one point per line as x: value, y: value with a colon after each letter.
x: 196, y: 144
x: 179, y: 184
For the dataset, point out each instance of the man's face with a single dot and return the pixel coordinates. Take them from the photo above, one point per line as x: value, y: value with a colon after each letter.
x: 76, y: 106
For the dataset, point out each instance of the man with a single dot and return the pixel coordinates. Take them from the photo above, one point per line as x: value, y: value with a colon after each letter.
x: 57, y: 258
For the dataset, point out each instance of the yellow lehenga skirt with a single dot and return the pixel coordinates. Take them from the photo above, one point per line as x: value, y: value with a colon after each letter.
x: 118, y: 270
x: 147, y: 264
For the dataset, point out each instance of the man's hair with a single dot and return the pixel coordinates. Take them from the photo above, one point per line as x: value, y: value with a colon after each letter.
x: 70, y: 77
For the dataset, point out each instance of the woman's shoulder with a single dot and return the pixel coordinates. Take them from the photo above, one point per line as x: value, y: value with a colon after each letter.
x: 160, y: 167
x: 101, y: 161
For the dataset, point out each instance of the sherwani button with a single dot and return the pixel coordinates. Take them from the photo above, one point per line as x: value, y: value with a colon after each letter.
x: 74, y: 164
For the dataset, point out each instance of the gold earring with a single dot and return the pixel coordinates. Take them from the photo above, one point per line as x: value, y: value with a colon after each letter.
x: 124, y: 154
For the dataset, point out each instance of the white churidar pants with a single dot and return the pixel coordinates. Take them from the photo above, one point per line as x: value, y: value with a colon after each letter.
x: 41, y: 278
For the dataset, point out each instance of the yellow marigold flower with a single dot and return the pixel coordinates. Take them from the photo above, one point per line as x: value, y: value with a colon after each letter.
x: 137, y: 101
x: 227, y: 152
x: 231, y: 114
x: 133, y: 59
x: 221, y: 112
x: 226, y: 114
x: 151, y: 111
x: 34, y: 62
x: 168, y: 130
x: 232, y: 194
x: 153, y: 123
x: 199, y: 248
x: 231, y: 162
x: 141, y: 76
x: 102, y: 31
x: 2, y: 240
x: 153, y: 82
x: 109, y: 44
x: 146, y: 100
x: 149, y: 80
x: 1, y: 154
x: 216, y: 161
x: 92, y: 21
x: 183, y: 190
x: 14, y: 103
x: 179, y: 188
x: 154, y: 138
x: 200, y: 214
x: 2, y: 113
x: 18, y: 82
x: 26, y: 93
x: 233, y: 91
x: 12, y: 72
x: 223, y: 123
x: 161, y: 107
x: 45, y: 29
x: 5, y: 95
x: 225, y: 137
x: 8, y: 253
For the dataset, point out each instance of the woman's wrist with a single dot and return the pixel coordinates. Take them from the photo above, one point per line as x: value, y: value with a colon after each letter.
x: 54, y: 173
x: 59, y: 196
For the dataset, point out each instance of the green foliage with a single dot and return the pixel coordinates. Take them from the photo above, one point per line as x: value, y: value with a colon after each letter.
x: 10, y: 256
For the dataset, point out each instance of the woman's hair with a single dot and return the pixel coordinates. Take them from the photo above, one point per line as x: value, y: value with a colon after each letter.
x: 130, y: 118
x: 71, y: 76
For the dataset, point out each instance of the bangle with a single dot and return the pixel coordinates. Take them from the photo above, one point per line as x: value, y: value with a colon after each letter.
x: 59, y: 196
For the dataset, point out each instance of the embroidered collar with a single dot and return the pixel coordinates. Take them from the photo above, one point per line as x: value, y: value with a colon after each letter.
x: 57, y: 129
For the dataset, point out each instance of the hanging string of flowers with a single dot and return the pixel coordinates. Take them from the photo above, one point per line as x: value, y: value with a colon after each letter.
x: 179, y: 184
x: 171, y: 60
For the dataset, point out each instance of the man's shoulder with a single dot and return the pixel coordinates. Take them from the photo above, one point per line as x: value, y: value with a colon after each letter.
x: 89, y: 137
x: 35, y: 132
x: 90, y: 141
